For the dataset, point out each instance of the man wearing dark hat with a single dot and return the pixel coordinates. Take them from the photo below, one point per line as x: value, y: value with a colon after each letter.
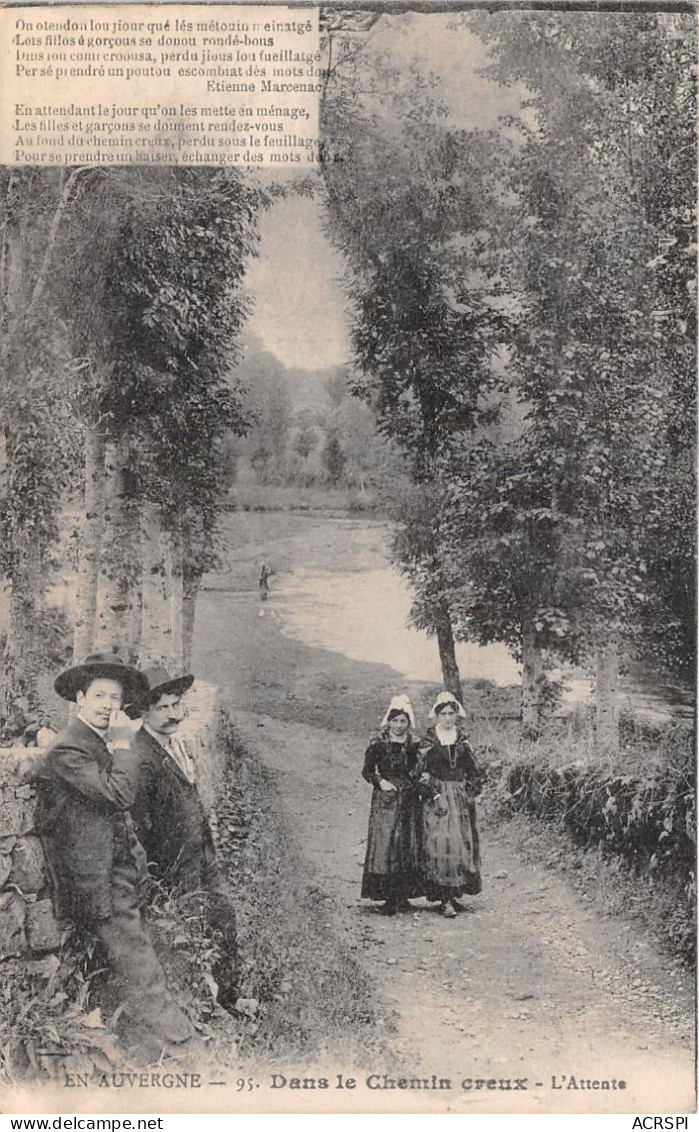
x: 170, y: 817
x: 98, y: 865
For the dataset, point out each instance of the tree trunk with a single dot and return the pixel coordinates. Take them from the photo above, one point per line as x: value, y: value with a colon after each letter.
x: 66, y: 186
x: 447, y: 655
x: 606, y: 694
x: 25, y: 407
x: 192, y: 536
x: 135, y: 615
x: 532, y: 683
x: 91, y: 539
x: 110, y: 620
x: 11, y: 264
x: 120, y: 561
x: 190, y: 591
x: 19, y: 677
x: 130, y: 581
x: 176, y: 600
x: 156, y: 633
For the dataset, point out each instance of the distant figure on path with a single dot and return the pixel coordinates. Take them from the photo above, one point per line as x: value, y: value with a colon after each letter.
x: 264, y: 583
x: 390, y: 762
x: 86, y: 787
x: 448, y: 781
x: 170, y: 817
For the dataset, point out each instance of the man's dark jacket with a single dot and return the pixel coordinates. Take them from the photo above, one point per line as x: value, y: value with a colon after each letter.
x: 170, y: 819
x: 174, y: 829
x: 84, y: 796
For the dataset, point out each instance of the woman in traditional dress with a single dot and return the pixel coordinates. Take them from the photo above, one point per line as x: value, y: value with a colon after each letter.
x: 389, y: 765
x: 448, y: 781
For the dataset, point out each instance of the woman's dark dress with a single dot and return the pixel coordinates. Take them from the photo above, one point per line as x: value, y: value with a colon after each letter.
x: 450, y: 861
x: 391, y: 856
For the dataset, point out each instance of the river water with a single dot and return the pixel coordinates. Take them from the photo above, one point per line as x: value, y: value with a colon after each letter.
x: 359, y: 607
x: 364, y: 616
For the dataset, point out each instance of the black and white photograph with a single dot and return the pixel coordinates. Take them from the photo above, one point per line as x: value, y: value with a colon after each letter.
x: 348, y: 544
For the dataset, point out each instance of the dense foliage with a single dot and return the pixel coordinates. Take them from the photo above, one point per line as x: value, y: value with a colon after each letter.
x: 123, y: 305
x: 174, y: 311
x: 525, y: 327
x: 600, y: 263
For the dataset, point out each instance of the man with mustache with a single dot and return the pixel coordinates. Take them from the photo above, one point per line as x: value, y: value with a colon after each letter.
x: 170, y: 817
x: 98, y: 868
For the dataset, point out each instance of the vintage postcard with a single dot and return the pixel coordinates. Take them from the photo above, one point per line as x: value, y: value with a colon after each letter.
x: 347, y: 496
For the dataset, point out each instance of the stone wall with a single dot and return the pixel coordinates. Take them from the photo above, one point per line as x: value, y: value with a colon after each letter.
x: 27, y: 922
x: 28, y: 927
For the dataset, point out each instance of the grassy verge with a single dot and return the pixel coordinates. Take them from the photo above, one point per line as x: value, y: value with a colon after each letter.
x: 48, y: 1023
x: 310, y: 993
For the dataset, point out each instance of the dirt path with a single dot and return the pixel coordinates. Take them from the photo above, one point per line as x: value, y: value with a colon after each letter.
x: 528, y: 985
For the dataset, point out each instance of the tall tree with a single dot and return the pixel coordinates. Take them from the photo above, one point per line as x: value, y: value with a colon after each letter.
x: 145, y: 290
x: 36, y: 216
x: 598, y: 248
x: 176, y: 312
x: 423, y: 335
x: 268, y: 406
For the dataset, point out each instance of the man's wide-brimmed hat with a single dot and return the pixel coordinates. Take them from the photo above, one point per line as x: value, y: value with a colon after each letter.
x: 158, y: 682
x: 100, y: 666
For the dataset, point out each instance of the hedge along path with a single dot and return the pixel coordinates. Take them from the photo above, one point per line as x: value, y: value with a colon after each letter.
x: 530, y: 984
x: 645, y: 821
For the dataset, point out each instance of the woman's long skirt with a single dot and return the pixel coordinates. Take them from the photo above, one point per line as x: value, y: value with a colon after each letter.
x: 391, y: 856
x: 450, y: 860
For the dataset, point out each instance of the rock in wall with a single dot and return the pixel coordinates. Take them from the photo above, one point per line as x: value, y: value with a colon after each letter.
x: 27, y: 923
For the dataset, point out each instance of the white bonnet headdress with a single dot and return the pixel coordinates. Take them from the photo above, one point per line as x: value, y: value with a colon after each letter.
x: 399, y: 703
x: 447, y: 698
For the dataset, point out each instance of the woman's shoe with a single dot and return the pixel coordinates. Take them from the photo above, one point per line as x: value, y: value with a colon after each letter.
x: 404, y: 906
x: 448, y: 910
